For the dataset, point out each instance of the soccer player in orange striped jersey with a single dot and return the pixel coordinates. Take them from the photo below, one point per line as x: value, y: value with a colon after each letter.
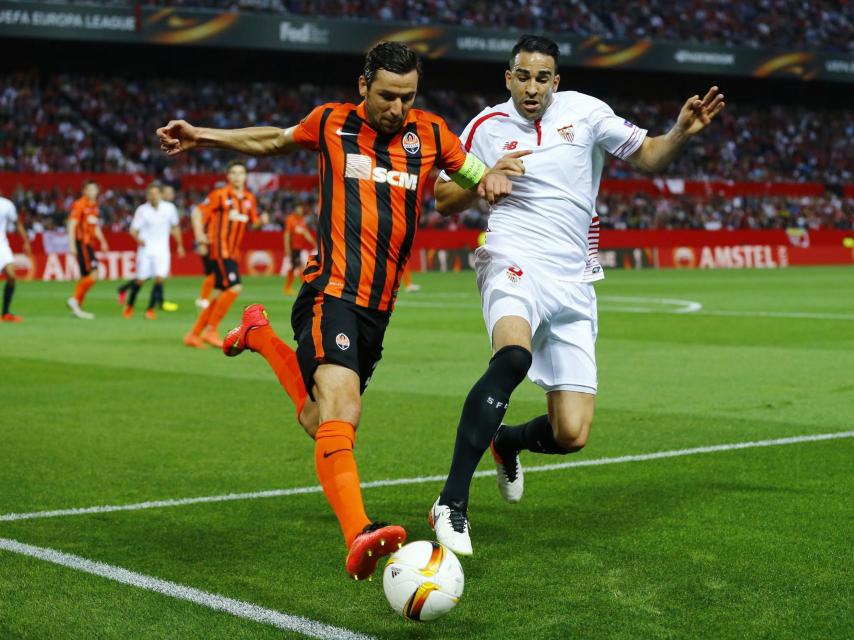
x: 219, y: 225
x: 297, y: 239
x: 84, y: 227
x: 374, y: 160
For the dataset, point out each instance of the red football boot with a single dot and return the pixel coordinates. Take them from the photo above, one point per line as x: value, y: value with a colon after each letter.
x: 377, y: 539
x: 255, y: 315
x: 8, y: 317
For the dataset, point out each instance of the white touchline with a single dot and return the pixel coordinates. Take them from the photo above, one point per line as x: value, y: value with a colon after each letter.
x: 275, y: 493
x: 678, y: 307
x: 246, y: 610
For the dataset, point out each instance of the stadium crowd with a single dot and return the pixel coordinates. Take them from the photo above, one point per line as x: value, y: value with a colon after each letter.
x: 106, y: 124
x: 74, y: 123
x: 811, y: 24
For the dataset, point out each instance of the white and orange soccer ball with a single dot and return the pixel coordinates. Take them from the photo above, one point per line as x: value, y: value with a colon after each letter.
x: 423, y: 580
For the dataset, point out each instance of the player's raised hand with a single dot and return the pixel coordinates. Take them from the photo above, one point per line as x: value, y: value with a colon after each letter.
x: 494, y: 186
x: 511, y: 164
x: 696, y: 114
x: 177, y: 136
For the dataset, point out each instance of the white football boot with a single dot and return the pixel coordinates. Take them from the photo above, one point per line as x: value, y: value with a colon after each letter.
x: 511, y: 480
x: 77, y: 311
x: 451, y: 527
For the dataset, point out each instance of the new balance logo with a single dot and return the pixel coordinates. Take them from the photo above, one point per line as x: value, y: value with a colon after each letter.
x: 510, y: 145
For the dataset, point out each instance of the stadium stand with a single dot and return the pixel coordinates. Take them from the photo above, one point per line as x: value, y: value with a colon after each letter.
x: 811, y: 24
x: 106, y: 124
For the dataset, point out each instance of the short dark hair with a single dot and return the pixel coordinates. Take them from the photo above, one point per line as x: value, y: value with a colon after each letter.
x: 235, y: 163
x: 535, y: 44
x: 395, y: 57
x: 154, y: 184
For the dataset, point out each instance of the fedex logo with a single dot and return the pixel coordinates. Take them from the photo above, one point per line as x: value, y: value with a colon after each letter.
x: 361, y: 167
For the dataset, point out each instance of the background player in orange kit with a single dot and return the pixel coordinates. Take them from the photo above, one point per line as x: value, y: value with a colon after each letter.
x: 84, y: 227
x: 219, y: 224
x: 298, y: 238
x: 374, y: 161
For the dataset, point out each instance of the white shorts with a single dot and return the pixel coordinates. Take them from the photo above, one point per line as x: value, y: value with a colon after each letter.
x: 562, y: 316
x: 6, y: 255
x: 152, y: 265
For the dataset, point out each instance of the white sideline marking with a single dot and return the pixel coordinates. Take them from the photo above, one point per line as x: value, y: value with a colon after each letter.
x: 275, y: 493
x: 668, y: 305
x: 246, y: 610
x: 679, y: 306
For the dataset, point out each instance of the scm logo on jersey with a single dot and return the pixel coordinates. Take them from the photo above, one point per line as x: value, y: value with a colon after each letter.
x: 395, y: 178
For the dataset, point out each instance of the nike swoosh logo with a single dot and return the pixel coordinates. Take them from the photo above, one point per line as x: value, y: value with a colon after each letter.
x: 345, y: 133
x: 332, y: 453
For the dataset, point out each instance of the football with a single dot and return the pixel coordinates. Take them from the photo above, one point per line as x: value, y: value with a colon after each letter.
x: 423, y: 580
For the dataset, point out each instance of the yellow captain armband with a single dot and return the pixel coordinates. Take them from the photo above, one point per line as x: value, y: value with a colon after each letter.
x: 470, y: 173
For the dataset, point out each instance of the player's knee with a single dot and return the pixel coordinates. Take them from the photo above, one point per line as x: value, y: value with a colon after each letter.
x: 511, y: 363
x: 236, y: 289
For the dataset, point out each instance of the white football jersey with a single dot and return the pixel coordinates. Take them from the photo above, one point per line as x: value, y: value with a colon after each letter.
x: 155, y: 225
x: 551, y: 215
x: 8, y: 216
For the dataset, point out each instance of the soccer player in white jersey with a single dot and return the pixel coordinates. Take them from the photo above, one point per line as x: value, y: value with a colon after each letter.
x: 536, y: 267
x: 9, y: 216
x: 152, y: 224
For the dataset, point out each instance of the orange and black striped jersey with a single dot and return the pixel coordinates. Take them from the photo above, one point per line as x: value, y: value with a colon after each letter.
x: 296, y: 226
x: 85, y: 212
x: 371, y: 187
x: 225, y: 217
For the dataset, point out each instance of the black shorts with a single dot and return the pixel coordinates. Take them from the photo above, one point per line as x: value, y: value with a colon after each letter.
x: 296, y: 258
x: 225, y: 274
x: 208, y: 265
x: 331, y: 330
x: 86, y: 259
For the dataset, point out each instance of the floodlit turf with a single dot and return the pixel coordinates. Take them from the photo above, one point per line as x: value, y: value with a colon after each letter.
x: 752, y: 543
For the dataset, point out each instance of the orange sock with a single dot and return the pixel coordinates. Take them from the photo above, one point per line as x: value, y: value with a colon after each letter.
x: 283, y: 360
x: 204, y: 316
x: 290, y: 279
x: 83, y: 286
x: 207, y: 287
x: 406, y: 278
x: 339, y: 477
x: 223, y: 304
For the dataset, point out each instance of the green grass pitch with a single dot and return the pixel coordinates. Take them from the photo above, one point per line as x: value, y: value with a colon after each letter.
x: 749, y: 543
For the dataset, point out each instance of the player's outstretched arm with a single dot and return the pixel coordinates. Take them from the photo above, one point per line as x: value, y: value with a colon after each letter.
x: 655, y: 154
x: 453, y: 198
x: 71, y: 230
x: 24, y: 238
x: 179, y: 136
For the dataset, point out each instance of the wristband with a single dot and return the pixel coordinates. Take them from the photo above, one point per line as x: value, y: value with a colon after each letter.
x: 470, y: 173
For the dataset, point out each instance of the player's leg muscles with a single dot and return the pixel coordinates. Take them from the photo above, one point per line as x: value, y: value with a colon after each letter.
x: 336, y: 389
x: 486, y: 405
x: 570, y: 416
x: 9, y: 288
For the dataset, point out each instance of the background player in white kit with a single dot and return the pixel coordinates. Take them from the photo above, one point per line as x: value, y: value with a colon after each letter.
x: 536, y: 267
x: 9, y: 216
x: 152, y: 224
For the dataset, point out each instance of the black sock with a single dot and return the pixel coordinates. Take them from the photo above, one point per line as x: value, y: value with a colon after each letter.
x: 483, y: 410
x: 8, y: 291
x: 127, y: 285
x: 536, y: 435
x: 156, y: 299
x: 134, y: 290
